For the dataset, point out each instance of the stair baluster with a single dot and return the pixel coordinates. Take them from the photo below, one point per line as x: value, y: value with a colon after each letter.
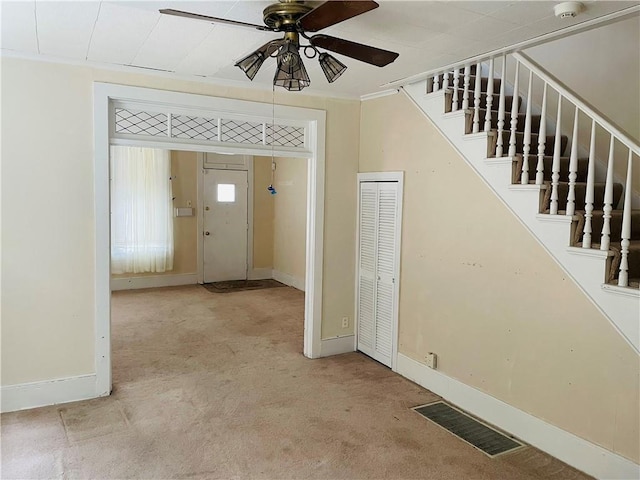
x: 608, y: 201
x: 623, y: 276
x: 524, y: 180
x: 465, y: 93
x: 445, y: 81
x: 573, y: 167
x: 436, y: 82
x: 477, y: 93
x: 589, y: 195
x: 501, y: 108
x: 489, y: 103
x: 514, y: 112
x: 542, y: 138
x: 555, y: 167
x: 456, y: 86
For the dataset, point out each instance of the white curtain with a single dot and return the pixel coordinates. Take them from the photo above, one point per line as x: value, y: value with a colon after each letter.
x: 141, y: 210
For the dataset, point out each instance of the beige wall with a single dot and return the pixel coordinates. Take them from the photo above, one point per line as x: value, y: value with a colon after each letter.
x: 262, y: 214
x: 48, y: 297
x: 480, y: 292
x: 184, y: 170
x: 290, y: 217
x: 603, y: 67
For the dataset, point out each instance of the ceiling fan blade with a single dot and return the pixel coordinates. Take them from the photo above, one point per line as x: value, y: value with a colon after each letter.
x: 197, y: 16
x: 332, y: 12
x: 364, y: 53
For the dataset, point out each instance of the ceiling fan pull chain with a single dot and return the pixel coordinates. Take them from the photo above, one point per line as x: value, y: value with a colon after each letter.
x: 271, y: 188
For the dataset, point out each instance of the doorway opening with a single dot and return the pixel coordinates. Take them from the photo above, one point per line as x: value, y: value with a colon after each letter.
x: 278, y: 125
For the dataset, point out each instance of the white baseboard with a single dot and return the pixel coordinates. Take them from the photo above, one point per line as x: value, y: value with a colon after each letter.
x: 260, y: 274
x: 49, y: 392
x: 288, y: 279
x: 152, y: 281
x: 337, y: 345
x: 575, y: 451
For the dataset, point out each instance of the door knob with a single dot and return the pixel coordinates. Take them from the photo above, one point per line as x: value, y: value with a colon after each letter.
x: 206, y: 233
x: 206, y: 208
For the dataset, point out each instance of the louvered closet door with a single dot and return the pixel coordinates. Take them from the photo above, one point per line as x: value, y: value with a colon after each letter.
x: 377, y: 267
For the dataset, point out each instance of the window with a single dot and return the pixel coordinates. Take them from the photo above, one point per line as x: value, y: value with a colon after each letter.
x: 226, y: 192
x: 141, y: 210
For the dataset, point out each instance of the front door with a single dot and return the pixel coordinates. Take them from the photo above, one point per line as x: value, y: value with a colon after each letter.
x: 225, y: 225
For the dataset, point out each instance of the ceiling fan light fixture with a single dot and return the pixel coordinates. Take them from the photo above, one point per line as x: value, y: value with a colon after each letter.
x: 295, y: 19
x: 291, y: 73
x: 331, y: 66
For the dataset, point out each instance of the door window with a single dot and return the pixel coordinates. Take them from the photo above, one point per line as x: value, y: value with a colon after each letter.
x: 226, y: 193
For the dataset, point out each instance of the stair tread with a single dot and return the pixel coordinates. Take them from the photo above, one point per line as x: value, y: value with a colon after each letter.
x: 597, y: 184
x: 550, y: 157
x: 547, y: 183
x: 507, y: 131
x: 614, y: 213
x: 507, y: 114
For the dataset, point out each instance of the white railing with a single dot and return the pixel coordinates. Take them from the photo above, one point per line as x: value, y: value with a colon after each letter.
x: 531, y: 91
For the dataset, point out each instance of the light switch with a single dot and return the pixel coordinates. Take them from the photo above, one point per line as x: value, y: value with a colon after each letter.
x: 184, y: 212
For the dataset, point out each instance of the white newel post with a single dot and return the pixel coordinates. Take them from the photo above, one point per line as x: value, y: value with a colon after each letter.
x: 501, y: 108
x: 588, y: 206
x: 489, y: 102
x: 477, y: 92
x: 623, y: 277
x: 555, y: 168
x: 573, y: 167
x: 608, y: 201
x: 465, y: 93
x: 514, y: 111
x: 526, y: 148
x: 456, y: 86
x: 542, y: 138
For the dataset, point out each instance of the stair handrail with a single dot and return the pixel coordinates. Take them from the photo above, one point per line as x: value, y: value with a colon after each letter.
x: 560, y: 87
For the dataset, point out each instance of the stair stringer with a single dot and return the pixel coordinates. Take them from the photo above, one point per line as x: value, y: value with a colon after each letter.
x: 586, y: 267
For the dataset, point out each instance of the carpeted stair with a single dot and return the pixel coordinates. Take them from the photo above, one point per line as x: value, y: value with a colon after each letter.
x: 563, y: 186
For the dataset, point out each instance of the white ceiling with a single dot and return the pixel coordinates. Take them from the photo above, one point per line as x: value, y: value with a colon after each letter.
x: 426, y: 34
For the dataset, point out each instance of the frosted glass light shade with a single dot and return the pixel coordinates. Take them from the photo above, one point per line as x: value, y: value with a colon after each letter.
x: 291, y: 73
x: 331, y: 66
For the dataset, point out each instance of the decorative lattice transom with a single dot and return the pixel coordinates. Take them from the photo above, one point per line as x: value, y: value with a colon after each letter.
x: 137, y: 122
x: 200, y: 128
x: 241, y: 132
x: 285, y: 136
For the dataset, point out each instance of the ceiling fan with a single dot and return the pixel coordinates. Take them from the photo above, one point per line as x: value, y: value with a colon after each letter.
x: 296, y: 19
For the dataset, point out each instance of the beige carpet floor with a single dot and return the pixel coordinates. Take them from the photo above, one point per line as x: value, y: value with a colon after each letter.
x: 214, y: 386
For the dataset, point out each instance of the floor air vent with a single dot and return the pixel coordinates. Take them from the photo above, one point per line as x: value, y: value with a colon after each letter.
x: 481, y: 436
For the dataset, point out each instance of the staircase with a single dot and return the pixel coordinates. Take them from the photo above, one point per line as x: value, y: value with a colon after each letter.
x: 541, y: 149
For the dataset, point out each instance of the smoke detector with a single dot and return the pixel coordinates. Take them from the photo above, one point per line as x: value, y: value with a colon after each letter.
x: 568, y: 9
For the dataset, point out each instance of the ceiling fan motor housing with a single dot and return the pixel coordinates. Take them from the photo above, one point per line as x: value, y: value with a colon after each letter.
x: 283, y: 16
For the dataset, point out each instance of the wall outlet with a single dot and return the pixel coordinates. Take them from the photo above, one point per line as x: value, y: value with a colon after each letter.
x: 345, y: 322
x: 431, y: 360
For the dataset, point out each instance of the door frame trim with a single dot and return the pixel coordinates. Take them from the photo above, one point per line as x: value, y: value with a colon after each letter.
x: 397, y: 177
x: 314, y: 121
